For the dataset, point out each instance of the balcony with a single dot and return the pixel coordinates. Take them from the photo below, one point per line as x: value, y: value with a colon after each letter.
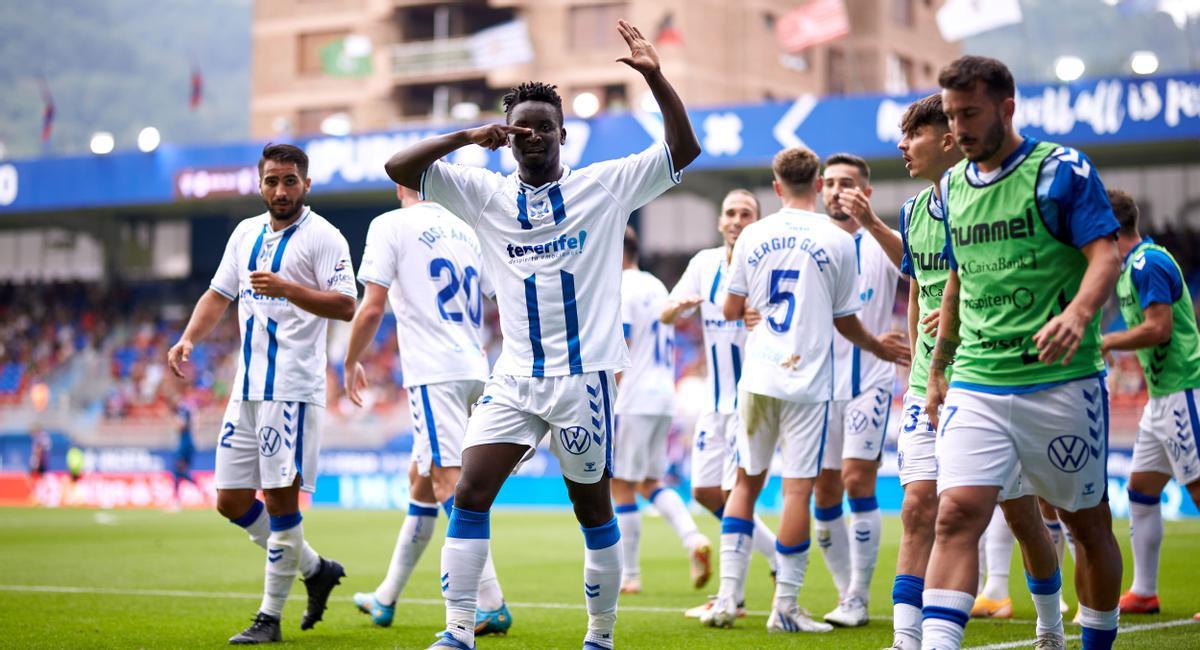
x: 461, y: 57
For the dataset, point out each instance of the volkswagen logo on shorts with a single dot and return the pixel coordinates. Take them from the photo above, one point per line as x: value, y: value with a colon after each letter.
x: 576, y: 440
x: 269, y: 441
x: 1068, y: 453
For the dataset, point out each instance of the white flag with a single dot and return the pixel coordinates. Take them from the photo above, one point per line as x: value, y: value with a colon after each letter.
x: 959, y: 19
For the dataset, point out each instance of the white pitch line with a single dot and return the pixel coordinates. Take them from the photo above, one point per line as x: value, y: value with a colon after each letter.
x: 1124, y: 629
x: 177, y: 593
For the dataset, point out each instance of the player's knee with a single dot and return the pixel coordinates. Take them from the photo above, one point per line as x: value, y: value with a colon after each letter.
x: 231, y: 505
x: 709, y: 497
x: 919, y: 513
x: 1091, y: 528
x: 957, y: 518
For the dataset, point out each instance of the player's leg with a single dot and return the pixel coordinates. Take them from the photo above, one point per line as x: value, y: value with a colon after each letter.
x: 993, y: 599
x: 414, y: 536
x: 1042, y: 573
x: 976, y: 457
x: 918, y: 476
x: 630, y: 447
x: 830, y: 525
x: 764, y: 537
x: 670, y: 505
x: 708, y: 463
x: 1058, y: 535
x: 1146, y: 535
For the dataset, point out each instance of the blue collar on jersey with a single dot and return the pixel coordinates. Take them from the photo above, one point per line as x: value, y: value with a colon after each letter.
x: 1010, y: 163
x: 277, y: 260
x: 934, y: 207
x: 566, y: 171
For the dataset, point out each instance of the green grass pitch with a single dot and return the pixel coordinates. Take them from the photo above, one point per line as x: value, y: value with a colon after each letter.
x: 85, y: 578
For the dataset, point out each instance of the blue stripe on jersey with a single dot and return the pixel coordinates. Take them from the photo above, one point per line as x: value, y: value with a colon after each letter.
x: 257, y: 247
x: 737, y: 369
x: 571, y: 315
x: 523, y: 212
x: 855, y: 371
x: 716, y: 374
x: 300, y: 445
x: 272, y: 350
x: 535, y: 327
x: 246, y: 349
x: 556, y: 202
x: 821, y: 449
x: 431, y: 428
x: 858, y: 251
x: 712, y: 293
x: 608, y: 459
x: 278, y: 260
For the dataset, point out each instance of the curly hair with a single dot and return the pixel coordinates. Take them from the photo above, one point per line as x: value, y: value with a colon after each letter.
x: 533, y: 91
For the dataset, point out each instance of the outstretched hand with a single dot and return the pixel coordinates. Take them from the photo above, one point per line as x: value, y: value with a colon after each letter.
x: 494, y: 136
x: 642, y: 55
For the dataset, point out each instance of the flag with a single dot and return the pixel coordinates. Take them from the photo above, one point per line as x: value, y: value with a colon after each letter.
x: 959, y: 19
x: 819, y: 21
x: 197, y: 89
x: 47, y: 112
x: 667, y: 34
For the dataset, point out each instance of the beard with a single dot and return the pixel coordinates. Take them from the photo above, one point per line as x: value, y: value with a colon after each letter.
x: 992, y: 141
x: 839, y: 216
x: 285, y: 212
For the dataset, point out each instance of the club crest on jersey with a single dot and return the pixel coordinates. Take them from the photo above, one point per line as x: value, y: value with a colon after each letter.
x: 265, y: 254
x: 269, y: 441
x: 576, y: 440
x: 1068, y: 453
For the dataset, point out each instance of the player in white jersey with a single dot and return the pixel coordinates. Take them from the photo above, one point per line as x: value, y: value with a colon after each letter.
x: 425, y: 262
x: 551, y: 245
x: 858, y: 415
x: 798, y: 271
x: 701, y: 290
x: 290, y: 271
x: 644, y: 409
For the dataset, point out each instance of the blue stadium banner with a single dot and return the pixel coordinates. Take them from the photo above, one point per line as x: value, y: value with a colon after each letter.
x: 1092, y: 112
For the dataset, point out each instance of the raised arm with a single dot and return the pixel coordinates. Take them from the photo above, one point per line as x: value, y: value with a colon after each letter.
x: 406, y: 166
x: 677, y: 128
x: 856, y: 203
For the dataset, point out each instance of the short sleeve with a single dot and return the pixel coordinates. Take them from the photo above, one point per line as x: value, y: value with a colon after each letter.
x: 689, y: 283
x: 332, y: 265
x: 739, y: 284
x: 1156, y: 279
x: 381, y: 253
x: 1073, y: 200
x: 638, y: 179
x: 846, y: 298
x: 906, y: 264
x: 460, y: 189
x: 225, y: 280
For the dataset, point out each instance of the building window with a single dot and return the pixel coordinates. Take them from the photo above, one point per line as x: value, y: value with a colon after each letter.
x: 309, y: 50
x: 309, y: 120
x: 902, y: 12
x: 899, y: 71
x: 590, y: 27
x: 835, y: 72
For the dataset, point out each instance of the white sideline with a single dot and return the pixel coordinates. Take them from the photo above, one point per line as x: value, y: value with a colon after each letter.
x: 1125, y: 629
x: 175, y: 593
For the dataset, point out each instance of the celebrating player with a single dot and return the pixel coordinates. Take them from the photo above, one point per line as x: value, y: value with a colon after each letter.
x: 1157, y: 306
x: 644, y: 408
x: 798, y: 271
x: 426, y: 262
x: 289, y: 269
x: 862, y: 399
x: 1029, y: 236
x: 551, y: 243
x: 702, y: 289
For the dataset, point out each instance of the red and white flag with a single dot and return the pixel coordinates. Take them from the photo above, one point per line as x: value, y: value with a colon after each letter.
x: 819, y: 21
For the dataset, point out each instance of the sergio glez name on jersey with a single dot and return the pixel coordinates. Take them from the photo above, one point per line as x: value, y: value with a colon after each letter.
x: 783, y: 243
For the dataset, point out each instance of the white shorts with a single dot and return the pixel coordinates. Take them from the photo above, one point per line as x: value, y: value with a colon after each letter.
x: 1168, y: 437
x: 575, y: 409
x: 439, y: 414
x: 915, y: 455
x: 1057, y: 438
x: 640, y: 446
x: 798, y: 429
x: 857, y: 427
x: 714, y: 450
x: 266, y: 445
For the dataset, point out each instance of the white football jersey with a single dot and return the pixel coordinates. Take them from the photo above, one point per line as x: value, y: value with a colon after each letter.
x: 855, y: 371
x: 553, y: 254
x: 707, y: 276
x: 429, y: 262
x: 648, y: 385
x: 283, y: 346
x: 798, y: 270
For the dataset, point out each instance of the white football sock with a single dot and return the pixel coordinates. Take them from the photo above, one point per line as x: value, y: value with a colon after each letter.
x: 1099, y: 628
x: 867, y: 526
x: 257, y: 524
x: 764, y: 542
x: 946, y: 613
x: 463, y: 557
x: 998, y: 546
x: 415, y: 533
x: 736, y: 546
x: 830, y: 529
x: 630, y: 521
x: 602, y: 580
x: 1146, y: 536
x: 1047, y: 593
x: 284, y: 546
x: 671, y: 507
x: 490, y: 596
x: 906, y: 607
x: 793, y: 563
